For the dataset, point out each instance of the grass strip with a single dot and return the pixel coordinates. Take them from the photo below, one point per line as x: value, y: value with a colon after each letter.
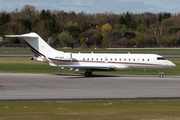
x: 90, y: 110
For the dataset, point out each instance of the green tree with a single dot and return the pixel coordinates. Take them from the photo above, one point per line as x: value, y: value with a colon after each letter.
x: 141, y: 28
x: 160, y: 18
x: 166, y: 15
x: 42, y: 15
x: 128, y: 20
x: 12, y: 40
x: 87, y: 25
x: 148, y: 22
x: 65, y: 38
x: 122, y: 28
x: 28, y: 12
x: 97, y: 39
x: 106, y: 28
x: 51, y: 25
x: 83, y: 40
x: 26, y: 22
x: 84, y: 26
x: 73, y: 30
x: 116, y: 36
x: 5, y: 18
x: 121, y: 20
x: 129, y: 35
x: 105, y: 40
x: 148, y: 32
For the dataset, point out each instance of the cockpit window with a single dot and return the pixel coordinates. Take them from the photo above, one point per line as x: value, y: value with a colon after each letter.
x: 161, y: 58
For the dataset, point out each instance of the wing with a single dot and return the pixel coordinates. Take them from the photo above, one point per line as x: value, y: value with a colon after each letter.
x: 88, y: 67
x: 97, y: 67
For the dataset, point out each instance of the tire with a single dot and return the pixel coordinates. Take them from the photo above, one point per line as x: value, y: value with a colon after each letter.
x: 87, y: 74
x: 161, y: 75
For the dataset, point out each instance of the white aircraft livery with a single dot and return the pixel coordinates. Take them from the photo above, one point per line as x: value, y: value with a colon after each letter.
x: 90, y: 62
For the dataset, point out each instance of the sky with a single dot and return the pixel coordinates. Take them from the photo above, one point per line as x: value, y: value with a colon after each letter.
x: 96, y: 6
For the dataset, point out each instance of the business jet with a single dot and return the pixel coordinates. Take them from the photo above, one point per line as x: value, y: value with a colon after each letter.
x: 90, y: 62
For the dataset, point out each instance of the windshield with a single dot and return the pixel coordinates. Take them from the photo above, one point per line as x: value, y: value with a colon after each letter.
x: 161, y: 58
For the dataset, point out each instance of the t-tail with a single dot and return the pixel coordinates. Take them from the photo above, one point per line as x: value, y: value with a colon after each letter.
x: 39, y: 47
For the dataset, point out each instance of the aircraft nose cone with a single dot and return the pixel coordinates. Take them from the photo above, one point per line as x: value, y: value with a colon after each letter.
x: 171, y: 65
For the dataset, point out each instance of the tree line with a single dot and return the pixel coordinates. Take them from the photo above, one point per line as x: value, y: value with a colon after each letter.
x: 70, y: 28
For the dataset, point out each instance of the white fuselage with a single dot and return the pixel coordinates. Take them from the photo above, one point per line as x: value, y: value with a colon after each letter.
x: 114, y: 61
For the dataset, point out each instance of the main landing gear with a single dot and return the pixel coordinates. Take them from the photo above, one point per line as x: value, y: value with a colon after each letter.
x: 161, y: 74
x: 88, y: 73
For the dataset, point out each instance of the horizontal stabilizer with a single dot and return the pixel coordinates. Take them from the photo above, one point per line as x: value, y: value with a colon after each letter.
x: 24, y: 35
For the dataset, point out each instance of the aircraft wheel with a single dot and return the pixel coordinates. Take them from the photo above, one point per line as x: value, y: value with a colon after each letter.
x: 87, y: 74
x: 161, y: 75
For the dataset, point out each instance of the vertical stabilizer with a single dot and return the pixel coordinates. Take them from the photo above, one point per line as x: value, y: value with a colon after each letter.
x: 37, y: 45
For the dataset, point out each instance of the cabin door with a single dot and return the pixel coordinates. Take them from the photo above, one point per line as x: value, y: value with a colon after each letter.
x: 106, y: 59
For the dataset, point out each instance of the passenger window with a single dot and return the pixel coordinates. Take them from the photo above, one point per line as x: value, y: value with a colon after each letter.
x: 92, y: 59
x: 124, y: 59
x: 120, y: 59
x: 129, y: 59
x: 101, y: 59
x: 83, y: 59
x: 133, y: 59
x: 88, y: 59
x: 115, y: 59
x: 147, y: 59
x: 111, y: 59
x: 142, y: 59
x: 97, y: 59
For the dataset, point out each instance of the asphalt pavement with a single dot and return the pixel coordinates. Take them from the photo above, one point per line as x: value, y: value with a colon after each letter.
x: 20, y: 86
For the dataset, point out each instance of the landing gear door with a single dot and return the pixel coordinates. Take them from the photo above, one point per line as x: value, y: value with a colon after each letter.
x: 71, y: 56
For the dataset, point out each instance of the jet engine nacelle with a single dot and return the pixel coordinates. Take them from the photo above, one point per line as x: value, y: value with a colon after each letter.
x: 64, y: 56
x: 68, y: 56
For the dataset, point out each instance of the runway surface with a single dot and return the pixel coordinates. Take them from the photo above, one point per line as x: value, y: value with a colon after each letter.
x: 19, y: 86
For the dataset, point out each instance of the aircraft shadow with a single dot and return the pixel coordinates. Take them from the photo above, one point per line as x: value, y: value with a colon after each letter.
x: 99, y: 75
x: 82, y: 75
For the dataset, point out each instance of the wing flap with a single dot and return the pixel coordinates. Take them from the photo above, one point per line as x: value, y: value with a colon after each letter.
x: 86, y: 67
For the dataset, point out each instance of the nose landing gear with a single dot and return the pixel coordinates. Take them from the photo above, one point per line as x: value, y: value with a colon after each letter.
x: 161, y: 74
